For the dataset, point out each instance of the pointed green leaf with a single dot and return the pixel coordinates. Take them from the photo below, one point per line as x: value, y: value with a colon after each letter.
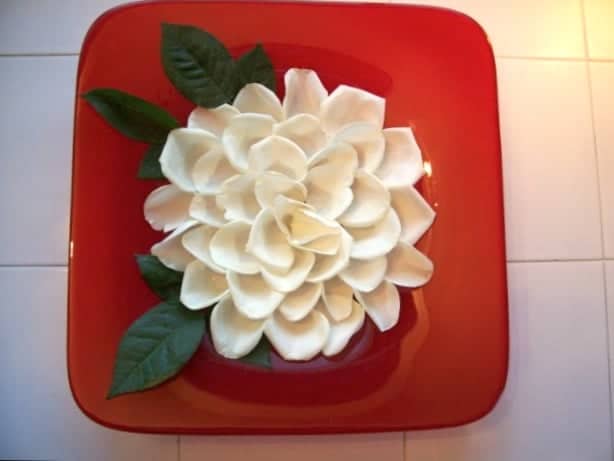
x: 255, y: 67
x: 260, y: 356
x: 150, y: 164
x: 133, y: 117
x: 165, y: 282
x: 156, y: 347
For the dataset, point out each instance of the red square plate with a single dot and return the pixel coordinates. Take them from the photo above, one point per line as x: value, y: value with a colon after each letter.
x: 445, y: 363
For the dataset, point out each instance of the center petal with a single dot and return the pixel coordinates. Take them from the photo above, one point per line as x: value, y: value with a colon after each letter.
x: 268, y: 243
x: 278, y: 154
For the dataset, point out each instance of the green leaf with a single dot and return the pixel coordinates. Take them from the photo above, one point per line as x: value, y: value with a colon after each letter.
x: 150, y: 165
x: 255, y: 67
x: 165, y: 282
x: 156, y: 347
x: 260, y: 356
x: 132, y: 116
x: 198, y: 65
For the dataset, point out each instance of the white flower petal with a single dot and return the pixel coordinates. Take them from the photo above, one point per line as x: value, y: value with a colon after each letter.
x: 183, y: 148
x: 197, y: 241
x: 211, y: 170
x: 228, y: 248
x: 348, y: 105
x: 257, y: 98
x: 243, y: 131
x: 337, y: 297
x: 201, y: 287
x: 327, y: 267
x: 408, y: 267
x: 340, y: 158
x: 300, y: 340
x: 233, y: 334
x: 212, y: 120
x: 278, y: 154
x: 302, y: 224
x: 327, y: 245
x: 383, y: 305
x: 204, y: 209
x: 342, y: 331
x: 415, y: 213
x: 297, y: 304
x: 304, y: 92
x: 377, y: 240
x: 271, y: 184
x: 269, y: 244
x: 292, y: 278
x: 368, y: 141
x: 167, y: 207
x: 402, y: 163
x: 329, y: 198
x: 238, y: 198
x: 305, y: 131
x: 171, y: 252
x: 253, y: 297
x: 371, y: 201
x: 365, y: 275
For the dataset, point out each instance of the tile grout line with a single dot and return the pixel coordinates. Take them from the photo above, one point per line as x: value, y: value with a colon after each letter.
x: 607, y: 342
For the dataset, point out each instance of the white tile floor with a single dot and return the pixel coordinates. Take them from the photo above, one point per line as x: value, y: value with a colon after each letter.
x: 555, y: 61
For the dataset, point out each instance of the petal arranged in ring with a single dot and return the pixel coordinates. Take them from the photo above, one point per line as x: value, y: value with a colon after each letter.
x: 253, y: 297
x: 415, y: 213
x: 204, y: 208
x: 340, y: 158
x: 228, y: 249
x: 258, y: 99
x: 301, y: 340
x: 377, y: 240
x: 383, y: 305
x: 402, y: 162
x: 304, y: 92
x: 171, y: 252
x: 337, y: 297
x: 297, y: 304
x: 365, y: 275
x: 368, y: 141
x: 212, y: 120
x: 269, y: 244
x: 278, y: 154
x: 342, y: 331
x: 327, y: 266
x: 408, y: 267
x: 197, y: 241
x: 242, y: 132
x: 305, y: 131
x: 167, y: 207
x: 271, y: 184
x: 201, y: 286
x: 211, y: 170
x: 293, y: 278
x: 348, y: 105
x: 238, y: 198
x: 370, y: 203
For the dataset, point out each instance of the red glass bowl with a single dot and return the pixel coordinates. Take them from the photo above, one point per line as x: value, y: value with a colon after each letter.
x: 444, y: 364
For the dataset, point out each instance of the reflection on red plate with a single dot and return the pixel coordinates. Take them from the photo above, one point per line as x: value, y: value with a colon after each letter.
x: 445, y: 363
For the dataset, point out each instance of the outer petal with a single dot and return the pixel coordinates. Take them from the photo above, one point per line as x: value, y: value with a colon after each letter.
x: 197, y: 241
x: 212, y: 120
x: 341, y: 332
x: 238, y: 198
x: 377, y: 240
x: 278, y: 154
x: 368, y: 141
x: 300, y: 340
x: 371, y: 201
x: 408, y: 267
x: 258, y: 99
x: 304, y: 92
x: 348, y: 105
x: 297, y: 304
x: 337, y: 298
x: 326, y: 267
x: 243, y: 131
x: 184, y: 146
x: 269, y: 244
x: 415, y: 213
x: 293, y: 278
x: 402, y: 163
x: 228, y: 251
x: 365, y: 275
x: 167, y: 207
x: 305, y: 131
x: 171, y: 252
x: 201, y: 287
x: 382, y: 305
x: 271, y: 184
x: 253, y: 297
x: 211, y: 170
x: 233, y: 334
x: 205, y: 209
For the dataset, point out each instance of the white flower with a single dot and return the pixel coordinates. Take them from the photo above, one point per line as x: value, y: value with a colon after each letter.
x: 296, y: 218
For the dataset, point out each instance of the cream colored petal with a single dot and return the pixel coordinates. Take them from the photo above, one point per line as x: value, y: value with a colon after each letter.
x: 228, y: 249
x: 211, y: 170
x: 238, y: 198
x: 269, y: 244
x: 383, y: 305
x: 204, y: 209
x: 377, y: 240
x: 304, y: 92
x: 338, y: 155
x: 271, y: 184
x: 258, y: 99
x: 292, y: 278
x: 327, y: 245
x: 402, y: 162
x: 212, y: 120
x: 201, y: 286
x: 305, y: 131
x: 348, y: 105
x: 183, y: 148
x: 167, y: 207
x: 337, y: 297
x: 415, y: 213
x: 327, y: 191
x: 326, y: 267
x: 233, y: 334
x: 342, y: 331
x: 171, y: 252
x: 408, y: 267
x: 301, y: 340
x: 371, y: 201
x: 243, y: 131
x: 368, y: 141
x: 278, y: 154
x: 365, y: 275
x: 197, y: 241
x: 253, y: 297
x: 297, y: 304
x: 302, y: 224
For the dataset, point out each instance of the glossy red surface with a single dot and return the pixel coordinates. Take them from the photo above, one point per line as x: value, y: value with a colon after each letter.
x: 445, y: 363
